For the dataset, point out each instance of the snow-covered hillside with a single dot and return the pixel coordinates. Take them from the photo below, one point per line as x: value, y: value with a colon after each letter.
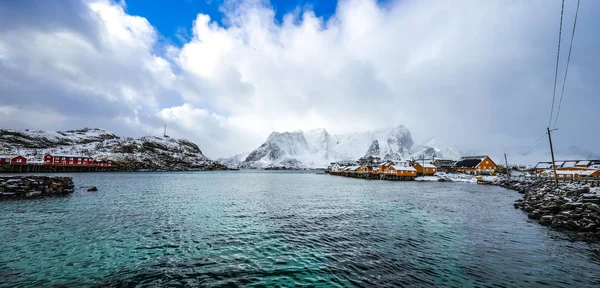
x: 233, y: 161
x: 146, y: 153
x: 432, y: 147
x: 317, y: 148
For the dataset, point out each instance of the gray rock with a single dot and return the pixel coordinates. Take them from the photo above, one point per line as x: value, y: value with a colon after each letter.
x: 546, y: 220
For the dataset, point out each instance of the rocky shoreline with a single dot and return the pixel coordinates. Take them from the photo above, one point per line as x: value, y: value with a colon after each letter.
x: 571, y: 207
x: 15, y: 187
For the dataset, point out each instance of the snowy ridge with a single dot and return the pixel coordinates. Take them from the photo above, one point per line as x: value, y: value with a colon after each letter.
x: 233, y: 161
x: 317, y: 148
x: 145, y: 153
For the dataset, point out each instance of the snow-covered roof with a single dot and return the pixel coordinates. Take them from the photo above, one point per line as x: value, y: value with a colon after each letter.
x: 559, y: 163
x: 583, y: 163
x: 71, y: 156
x: 352, y: 168
x: 543, y: 165
x: 427, y: 165
x: 8, y: 156
x: 480, y: 158
x: 403, y: 168
x: 569, y: 164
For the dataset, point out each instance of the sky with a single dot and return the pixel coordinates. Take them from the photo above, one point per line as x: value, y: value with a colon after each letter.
x: 477, y: 75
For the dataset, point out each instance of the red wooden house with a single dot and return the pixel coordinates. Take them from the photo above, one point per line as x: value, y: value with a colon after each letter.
x: 12, y: 160
x: 68, y: 160
x: 103, y: 163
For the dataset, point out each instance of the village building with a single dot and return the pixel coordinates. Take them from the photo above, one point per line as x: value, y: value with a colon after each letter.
x: 425, y: 168
x: 68, y: 160
x: 572, y: 174
x: 476, y: 165
x: 351, y: 169
x: 381, y: 168
x: 595, y: 164
x: 567, y: 165
x: 12, y: 160
x: 444, y: 165
x: 401, y: 170
x: 541, y: 167
x: 334, y: 166
x: 366, y: 169
x: 102, y: 163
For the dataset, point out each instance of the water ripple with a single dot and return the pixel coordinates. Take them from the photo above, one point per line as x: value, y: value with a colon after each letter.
x: 282, y: 229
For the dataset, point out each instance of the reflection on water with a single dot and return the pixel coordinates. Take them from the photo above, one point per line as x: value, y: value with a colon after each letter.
x: 283, y: 229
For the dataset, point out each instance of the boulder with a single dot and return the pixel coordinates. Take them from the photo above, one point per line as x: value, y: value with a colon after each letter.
x: 546, y: 220
x: 535, y: 214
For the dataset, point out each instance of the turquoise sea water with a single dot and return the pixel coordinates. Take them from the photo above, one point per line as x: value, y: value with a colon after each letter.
x: 283, y: 229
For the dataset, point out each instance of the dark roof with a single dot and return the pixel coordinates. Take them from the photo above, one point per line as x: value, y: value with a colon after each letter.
x: 467, y: 163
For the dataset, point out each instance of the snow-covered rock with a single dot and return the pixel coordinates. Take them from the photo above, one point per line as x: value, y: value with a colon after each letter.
x: 431, y: 147
x: 145, y: 153
x: 317, y: 148
x: 373, y: 150
x: 234, y: 161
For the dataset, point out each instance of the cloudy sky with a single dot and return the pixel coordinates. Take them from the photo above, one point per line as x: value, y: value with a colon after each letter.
x: 225, y: 74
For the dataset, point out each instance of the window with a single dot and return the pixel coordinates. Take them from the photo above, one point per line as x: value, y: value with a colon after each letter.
x: 19, y: 160
x: 486, y: 162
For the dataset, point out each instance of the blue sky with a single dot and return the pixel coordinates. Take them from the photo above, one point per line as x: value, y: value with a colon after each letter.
x: 175, y: 17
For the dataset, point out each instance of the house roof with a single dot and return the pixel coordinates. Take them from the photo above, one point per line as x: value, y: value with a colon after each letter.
x: 8, y: 156
x: 70, y: 156
x: 468, y: 163
x: 472, y: 157
x: 426, y: 165
x: 583, y: 163
x: 543, y: 165
x: 403, y: 168
x: 569, y: 164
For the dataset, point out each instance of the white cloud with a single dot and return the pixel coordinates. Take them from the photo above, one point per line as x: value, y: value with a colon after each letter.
x: 476, y: 74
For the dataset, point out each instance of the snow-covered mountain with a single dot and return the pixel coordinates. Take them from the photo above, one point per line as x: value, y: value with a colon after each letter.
x: 431, y: 147
x: 146, y: 153
x: 234, y: 161
x: 317, y: 148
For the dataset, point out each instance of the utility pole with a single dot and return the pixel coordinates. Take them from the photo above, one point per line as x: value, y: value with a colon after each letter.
x: 506, y: 163
x: 552, y: 152
x: 165, y: 134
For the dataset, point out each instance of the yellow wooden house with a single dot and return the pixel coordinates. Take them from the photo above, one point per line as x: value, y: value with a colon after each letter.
x: 425, y: 168
x: 401, y: 170
x: 476, y: 165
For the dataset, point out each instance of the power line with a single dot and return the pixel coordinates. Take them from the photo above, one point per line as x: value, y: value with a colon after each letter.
x: 562, y: 9
x: 567, y: 68
x: 536, y: 142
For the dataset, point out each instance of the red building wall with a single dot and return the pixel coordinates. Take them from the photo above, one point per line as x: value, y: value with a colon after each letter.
x: 18, y: 160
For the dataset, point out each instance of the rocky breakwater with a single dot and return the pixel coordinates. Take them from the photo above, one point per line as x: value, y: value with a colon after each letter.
x: 571, y: 206
x: 34, y: 186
